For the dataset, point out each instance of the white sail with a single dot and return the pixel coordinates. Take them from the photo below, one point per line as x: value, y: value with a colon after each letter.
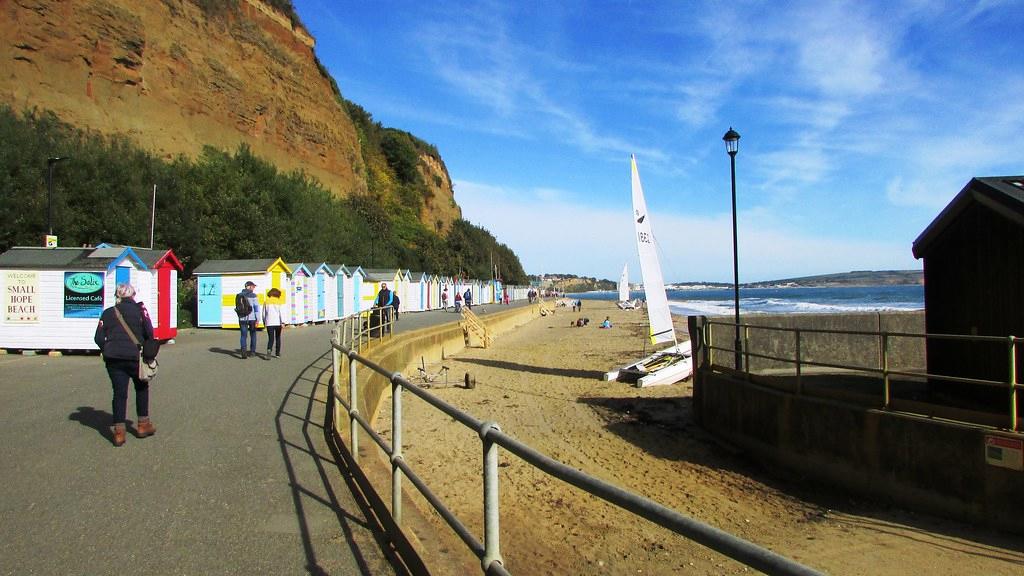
x: 624, y: 284
x: 658, y: 313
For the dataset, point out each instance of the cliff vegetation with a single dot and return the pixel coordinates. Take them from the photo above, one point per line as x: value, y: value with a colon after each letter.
x: 216, y: 102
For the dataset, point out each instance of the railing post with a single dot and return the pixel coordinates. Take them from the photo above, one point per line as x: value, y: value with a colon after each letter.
x: 886, y: 388
x: 1013, y: 383
x: 396, y: 448
x: 710, y: 344
x: 492, y: 537
x: 353, y: 403
x: 332, y: 404
x: 746, y: 351
x: 799, y: 382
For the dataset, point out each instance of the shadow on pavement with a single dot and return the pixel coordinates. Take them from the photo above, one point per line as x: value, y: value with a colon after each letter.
x: 318, y: 490
x: 98, y: 420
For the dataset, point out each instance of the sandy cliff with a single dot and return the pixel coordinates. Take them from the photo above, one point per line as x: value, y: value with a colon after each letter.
x: 176, y: 78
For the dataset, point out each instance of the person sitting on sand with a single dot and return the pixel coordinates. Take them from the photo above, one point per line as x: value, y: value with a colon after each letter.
x: 607, y: 322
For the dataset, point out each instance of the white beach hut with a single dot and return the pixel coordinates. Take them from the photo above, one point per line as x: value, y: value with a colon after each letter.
x: 419, y: 292
x: 53, y: 297
x: 299, y: 289
x: 325, y: 303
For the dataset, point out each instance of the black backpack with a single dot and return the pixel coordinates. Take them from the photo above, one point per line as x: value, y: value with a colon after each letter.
x: 242, y: 306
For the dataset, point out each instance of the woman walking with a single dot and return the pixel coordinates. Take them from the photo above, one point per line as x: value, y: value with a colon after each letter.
x: 121, y: 355
x: 272, y: 321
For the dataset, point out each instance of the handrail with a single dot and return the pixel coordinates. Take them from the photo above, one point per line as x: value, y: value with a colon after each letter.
x: 361, y: 328
x: 491, y: 438
x: 474, y: 324
x: 1011, y: 342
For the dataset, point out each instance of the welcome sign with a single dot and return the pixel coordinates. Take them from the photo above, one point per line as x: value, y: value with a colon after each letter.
x: 83, y: 294
x: 21, y: 297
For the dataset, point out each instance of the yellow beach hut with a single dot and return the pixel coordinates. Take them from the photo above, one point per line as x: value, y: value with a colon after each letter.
x: 218, y: 281
x: 372, y: 280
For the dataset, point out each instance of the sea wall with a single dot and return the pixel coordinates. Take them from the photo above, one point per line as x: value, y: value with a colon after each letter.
x: 404, y: 351
x: 859, y: 349
x: 917, y: 462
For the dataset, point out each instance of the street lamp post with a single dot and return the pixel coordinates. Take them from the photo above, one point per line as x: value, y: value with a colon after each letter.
x: 49, y: 191
x: 732, y: 146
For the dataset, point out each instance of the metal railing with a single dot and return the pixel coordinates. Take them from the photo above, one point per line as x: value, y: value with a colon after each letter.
x: 883, y: 369
x: 491, y: 437
x: 359, y: 329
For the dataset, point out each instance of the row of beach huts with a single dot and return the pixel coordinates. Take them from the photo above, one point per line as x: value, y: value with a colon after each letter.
x: 54, y: 296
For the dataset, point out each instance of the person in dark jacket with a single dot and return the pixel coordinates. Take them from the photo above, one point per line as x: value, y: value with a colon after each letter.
x: 121, y: 357
x: 385, y: 301
x: 247, y: 323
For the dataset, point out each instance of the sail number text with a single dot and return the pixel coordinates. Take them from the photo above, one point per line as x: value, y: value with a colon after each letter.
x: 644, y: 237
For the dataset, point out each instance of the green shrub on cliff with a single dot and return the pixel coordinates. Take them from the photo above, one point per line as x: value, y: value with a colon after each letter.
x: 219, y: 205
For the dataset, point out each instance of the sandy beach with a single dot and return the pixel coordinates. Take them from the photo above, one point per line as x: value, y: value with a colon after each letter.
x: 542, y: 384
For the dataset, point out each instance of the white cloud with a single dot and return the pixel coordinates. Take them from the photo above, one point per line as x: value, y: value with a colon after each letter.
x: 552, y: 233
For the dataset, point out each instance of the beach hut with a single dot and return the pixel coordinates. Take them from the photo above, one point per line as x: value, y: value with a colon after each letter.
x: 342, y: 288
x: 300, y: 290
x: 973, y: 256
x: 164, y: 268
x: 53, y: 297
x: 358, y: 281
x: 323, y: 302
x: 218, y: 281
x: 372, y: 280
x: 419, y: 287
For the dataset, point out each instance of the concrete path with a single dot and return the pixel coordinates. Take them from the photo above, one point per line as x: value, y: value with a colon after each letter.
x: 237, y: 480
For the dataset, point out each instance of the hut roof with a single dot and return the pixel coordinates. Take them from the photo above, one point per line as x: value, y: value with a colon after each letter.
x: 1002, y: 194
x: 66, y: 258
x: 380, y: 274
x: 151, y: 257
x: 254, y: 266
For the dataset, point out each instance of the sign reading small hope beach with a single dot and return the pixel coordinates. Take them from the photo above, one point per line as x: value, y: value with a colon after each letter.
x: 21, y: 303
x: 83, y: 294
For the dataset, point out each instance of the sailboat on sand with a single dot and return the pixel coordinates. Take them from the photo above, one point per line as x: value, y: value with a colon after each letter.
x: 624, y: 302
x: 670, y: 364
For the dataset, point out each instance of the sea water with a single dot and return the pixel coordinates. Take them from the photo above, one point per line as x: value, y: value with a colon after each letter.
x: 833, y: 300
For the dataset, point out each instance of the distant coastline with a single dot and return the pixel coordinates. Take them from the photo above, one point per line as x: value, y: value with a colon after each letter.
x: 842, y: 279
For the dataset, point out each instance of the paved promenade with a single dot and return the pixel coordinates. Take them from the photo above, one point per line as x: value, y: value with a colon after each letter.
x: 237, y: 480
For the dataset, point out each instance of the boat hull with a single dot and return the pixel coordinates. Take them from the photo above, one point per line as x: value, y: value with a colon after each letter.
x: 664, y: 367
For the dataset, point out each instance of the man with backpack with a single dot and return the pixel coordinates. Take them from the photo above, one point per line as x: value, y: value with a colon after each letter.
x: 247, y: 307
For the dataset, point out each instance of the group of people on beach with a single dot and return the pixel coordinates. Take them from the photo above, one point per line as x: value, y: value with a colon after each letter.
x: 581, y: 322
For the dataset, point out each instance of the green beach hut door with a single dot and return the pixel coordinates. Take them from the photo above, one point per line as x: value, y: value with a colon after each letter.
x: 210, y: 305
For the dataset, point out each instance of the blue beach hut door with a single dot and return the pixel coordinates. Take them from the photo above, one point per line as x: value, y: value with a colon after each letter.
x: 210, y: 305
x: 123, y: 275
x: 321, y: 292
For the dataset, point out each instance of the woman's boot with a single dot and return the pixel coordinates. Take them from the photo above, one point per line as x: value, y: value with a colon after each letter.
x: 118, y: 430
x: 145, y: 427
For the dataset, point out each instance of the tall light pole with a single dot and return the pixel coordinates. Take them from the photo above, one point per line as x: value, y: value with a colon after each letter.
x: 49, y: 187
x: 732, y: 146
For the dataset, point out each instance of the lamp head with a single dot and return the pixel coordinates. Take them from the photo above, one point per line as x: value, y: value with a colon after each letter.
x: 732, y: 141
x: 55, y: 159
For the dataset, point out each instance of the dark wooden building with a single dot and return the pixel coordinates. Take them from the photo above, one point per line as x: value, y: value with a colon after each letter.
x: 974, y: 284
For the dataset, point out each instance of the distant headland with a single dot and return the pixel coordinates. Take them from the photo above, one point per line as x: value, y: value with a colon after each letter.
x: 572, y: 283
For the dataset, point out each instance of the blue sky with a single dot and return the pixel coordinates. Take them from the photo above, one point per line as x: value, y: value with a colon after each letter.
x: 859, y: 121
